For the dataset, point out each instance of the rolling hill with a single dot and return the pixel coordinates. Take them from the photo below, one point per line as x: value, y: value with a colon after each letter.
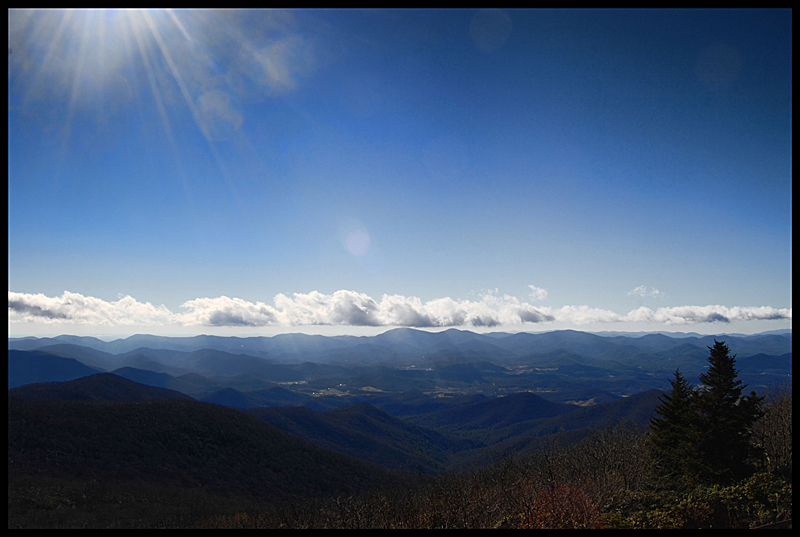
x: 369, y: 434
x: 28, y: 367
x: 98, y: 387
x: 495, y: 413
x: 176, y: 443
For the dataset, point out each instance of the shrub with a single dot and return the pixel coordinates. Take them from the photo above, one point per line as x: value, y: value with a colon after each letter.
x: 561, y: 507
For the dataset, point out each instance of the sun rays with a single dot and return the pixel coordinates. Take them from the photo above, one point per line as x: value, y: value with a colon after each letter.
x: 97, y: 61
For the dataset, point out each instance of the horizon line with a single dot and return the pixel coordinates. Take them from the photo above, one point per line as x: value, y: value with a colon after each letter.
x: 601, y: 333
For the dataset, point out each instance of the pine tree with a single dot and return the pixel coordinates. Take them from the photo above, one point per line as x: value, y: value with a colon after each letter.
x: 725, y: 419
x: 675, y: 434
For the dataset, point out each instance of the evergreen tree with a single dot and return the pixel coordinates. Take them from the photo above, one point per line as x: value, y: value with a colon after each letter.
x: 675, y: 434
x: 725, y: 419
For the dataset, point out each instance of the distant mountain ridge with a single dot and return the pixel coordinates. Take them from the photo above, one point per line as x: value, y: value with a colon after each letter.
x: 325, y: 372
x: 407, y: 340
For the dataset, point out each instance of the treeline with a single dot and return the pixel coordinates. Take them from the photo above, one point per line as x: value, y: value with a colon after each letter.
x: 712, y: 458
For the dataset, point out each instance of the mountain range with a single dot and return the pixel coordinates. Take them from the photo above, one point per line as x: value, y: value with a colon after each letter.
x: 566, y: 366
x: 297, y: 416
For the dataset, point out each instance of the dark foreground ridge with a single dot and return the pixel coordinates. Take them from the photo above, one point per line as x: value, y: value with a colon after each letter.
x: 176, y: 443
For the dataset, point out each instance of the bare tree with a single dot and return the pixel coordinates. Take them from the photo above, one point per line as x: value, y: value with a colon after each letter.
x: 773, y: 432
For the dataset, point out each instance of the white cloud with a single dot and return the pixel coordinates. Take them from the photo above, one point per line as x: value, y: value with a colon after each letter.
x: 641, y: 291
x: 580, y: 315
x: 79, y: 309
x: 350, y: 308
x: 644, y: 292
x: 707, y: 314
x: 537, y: 293
x: 224, y: 311
x: 341, y: 308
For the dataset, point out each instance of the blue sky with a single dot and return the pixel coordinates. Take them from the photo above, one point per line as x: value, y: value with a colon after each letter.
x: 257, y: 172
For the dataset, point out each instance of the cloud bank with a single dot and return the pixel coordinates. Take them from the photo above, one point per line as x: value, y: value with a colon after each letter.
x: 350, y: 308
x: 78, y: 309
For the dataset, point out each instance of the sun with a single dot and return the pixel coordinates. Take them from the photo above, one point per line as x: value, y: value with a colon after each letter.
x: 93, y: 63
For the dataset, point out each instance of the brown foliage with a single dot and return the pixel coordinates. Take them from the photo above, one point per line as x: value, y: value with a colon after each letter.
x: 773, y: 432
x: 561, y: 507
